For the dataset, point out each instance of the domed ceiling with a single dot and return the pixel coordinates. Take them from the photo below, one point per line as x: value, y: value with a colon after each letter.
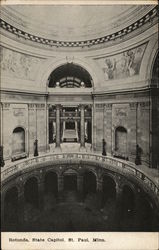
x: 70, y: 22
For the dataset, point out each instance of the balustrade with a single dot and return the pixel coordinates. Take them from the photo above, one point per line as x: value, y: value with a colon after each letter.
x: 107, y: 162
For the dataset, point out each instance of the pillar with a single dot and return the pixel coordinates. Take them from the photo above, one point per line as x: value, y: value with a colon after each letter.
x: 60, y: 183
x: 82, y: 127
x: 99, y: 191
x: 58, y: 126
x: 80, y: 183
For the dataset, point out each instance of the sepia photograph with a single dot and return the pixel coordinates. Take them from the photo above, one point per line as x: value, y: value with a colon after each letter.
x: 79, y: 156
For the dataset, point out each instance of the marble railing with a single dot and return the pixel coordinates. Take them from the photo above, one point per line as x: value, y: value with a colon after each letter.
x: 105, y: 161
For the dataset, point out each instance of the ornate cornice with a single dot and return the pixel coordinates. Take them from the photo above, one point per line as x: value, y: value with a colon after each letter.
x: 148, y: 18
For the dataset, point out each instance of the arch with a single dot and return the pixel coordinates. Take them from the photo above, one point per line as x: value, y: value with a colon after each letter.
x: 155, y: 70
x: 70, y: 75
x: 153, y: 51
x: 70, y: 179
x: 109, y: 188
x: 89, y: 182
x: 128, y: 202
x: 51, y: 183
x: 121, y: 142
x: 53, y: 65
x: 145, y: 213
x: 11, y: 208
x: 18, y: 141
x: 31, y: 191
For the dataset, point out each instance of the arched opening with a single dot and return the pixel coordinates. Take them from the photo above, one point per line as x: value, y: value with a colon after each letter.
x: 154, y: 135
x: 128, y: 202
x: 109, y: 189
x: 145, y: 216
x: 31, y: 192
x: 89, y: 183
x: 70, y: 180
x: 70, y: 75
x: 11, y: 209
x: 155, y: 71
x: 121, y: 142
x: 51, y: 183
x: 18, y: 141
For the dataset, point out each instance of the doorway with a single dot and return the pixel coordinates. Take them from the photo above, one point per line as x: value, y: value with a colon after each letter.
x: 70, y: 182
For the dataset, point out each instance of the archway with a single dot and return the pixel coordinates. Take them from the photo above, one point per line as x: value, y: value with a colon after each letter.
x: 155, y: 114
x: 121, y: 142
x: 18, y: 141
x: 128, y: 202
x: 31, y: 194
x: 89, y: 182
x: 11, y: 209
x: 70, y: 180
x: 109, y: 189
x: 145, y: 215
x: 155, y: 71
x: 51, y: 183
x: 70, y: 75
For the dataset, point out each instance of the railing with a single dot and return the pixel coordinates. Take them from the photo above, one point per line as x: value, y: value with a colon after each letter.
x: 107, y: 162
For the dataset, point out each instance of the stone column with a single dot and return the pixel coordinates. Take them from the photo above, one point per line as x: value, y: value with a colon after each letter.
x: 60, y: 183
x: 58, y: 126
x: 82, y: 127
x: 80, y: 183
x: 99, y: 191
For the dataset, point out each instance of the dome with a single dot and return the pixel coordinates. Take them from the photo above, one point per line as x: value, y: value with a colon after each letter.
x: 68, y: 24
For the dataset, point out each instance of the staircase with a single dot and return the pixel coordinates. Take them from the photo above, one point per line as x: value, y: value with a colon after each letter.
x: 70, y: 135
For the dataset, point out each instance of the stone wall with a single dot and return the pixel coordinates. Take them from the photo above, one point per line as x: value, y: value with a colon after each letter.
x: 32, y: 117
x: 130, y: 111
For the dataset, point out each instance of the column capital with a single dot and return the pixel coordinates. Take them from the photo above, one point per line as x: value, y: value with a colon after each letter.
x: 58, y: 106
x: 82, y: 106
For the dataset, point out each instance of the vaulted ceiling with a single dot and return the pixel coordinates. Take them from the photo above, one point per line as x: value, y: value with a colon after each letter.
x: 70, y: 22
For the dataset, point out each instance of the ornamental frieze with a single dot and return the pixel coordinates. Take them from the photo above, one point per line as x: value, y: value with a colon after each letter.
x: 18, y: 65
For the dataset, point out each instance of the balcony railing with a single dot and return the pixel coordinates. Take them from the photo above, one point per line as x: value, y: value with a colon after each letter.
x: 107, y: 162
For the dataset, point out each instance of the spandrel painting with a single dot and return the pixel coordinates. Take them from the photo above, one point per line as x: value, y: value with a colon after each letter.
x: 123, y: 65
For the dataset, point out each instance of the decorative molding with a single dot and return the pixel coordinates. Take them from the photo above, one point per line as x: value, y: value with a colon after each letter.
x: 6, y: 105
x: 40, y: 106
x: 148, y: 18
x: 108, y: 105
x: 99, y: 105
x: 133, y: 105
x: 144, y: 104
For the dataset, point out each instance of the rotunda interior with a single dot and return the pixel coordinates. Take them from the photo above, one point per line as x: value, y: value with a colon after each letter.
x: 79, y: 118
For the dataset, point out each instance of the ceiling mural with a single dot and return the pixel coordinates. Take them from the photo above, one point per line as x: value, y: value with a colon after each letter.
x: 122, y: 65
x: 18, y: 65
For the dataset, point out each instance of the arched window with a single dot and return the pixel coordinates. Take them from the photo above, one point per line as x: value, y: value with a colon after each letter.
x: 121, y: 142
x: 18, y: 141
x: 70, y: 76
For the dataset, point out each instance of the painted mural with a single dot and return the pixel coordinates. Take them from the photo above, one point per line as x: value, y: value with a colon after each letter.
x: 18, y: 65
x: 123, y: 65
